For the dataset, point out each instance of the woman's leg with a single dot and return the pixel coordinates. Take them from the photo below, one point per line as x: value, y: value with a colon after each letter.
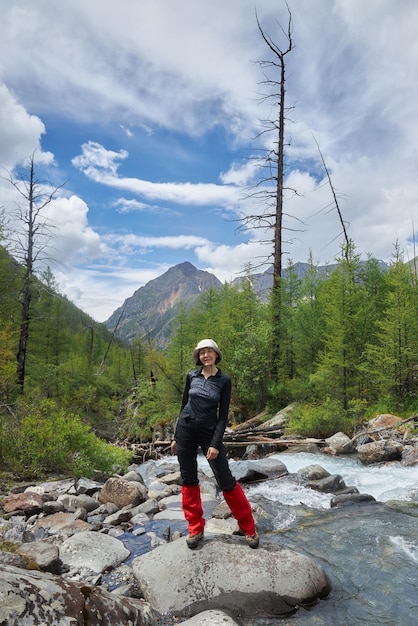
x: 241, y: 509
x: 235, y: 497
x: 186, y: 448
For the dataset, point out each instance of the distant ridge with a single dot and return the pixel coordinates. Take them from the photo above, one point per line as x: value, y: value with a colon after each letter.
x: 149, y: 312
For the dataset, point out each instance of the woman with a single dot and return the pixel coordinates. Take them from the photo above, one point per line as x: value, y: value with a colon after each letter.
x: 202, y: 422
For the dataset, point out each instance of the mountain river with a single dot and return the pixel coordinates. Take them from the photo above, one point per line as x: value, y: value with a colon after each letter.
x: 369, y: 551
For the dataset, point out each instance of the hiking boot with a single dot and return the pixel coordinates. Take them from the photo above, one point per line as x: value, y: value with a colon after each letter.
x: 253, y: 540
x: 194, y: 540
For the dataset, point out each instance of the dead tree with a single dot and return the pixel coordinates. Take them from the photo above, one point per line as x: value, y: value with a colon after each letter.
x: 28, y: 246
x: 271, y: 187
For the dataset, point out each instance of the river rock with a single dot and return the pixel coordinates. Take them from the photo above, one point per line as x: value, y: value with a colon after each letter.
x: 211, y: 618
x: 410, y: 457
x: 41, y: 554
x: 224, y: 574
x: 338, y: 444
x: 93, y: 551
x: 31, y: 598
x: 29, y: 502
x: 380, y: 451
x: 329, y: 484
x: 385, y: 420
x: 312, y: 472
x: 74, y: 502
x: 62, y: 524
x: 123, y: 492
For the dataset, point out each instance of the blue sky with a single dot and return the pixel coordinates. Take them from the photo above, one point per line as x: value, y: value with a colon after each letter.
x: 148, y: 111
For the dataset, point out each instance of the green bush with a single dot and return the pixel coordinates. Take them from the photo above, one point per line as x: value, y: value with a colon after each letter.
x: 47, y: 440
x: 319, y: 420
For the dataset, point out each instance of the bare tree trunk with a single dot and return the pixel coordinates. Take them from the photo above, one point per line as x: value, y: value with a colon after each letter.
x: 29, y: 245
x: 277, y: 156
x: 27, y: 286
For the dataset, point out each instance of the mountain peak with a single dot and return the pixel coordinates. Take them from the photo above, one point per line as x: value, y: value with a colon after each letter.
x: 151, y: 309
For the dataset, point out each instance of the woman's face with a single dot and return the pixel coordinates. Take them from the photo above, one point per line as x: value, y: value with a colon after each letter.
x: 207, y: 356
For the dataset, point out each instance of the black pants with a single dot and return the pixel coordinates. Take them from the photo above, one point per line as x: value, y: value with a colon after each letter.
x: 192, y: 433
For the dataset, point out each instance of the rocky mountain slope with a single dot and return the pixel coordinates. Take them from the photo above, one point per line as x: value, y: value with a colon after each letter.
x: 150, y: 310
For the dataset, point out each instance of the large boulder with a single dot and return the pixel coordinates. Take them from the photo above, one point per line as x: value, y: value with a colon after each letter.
x: 226, y: 575
x: 93, y: 551
x: 380, y: 451
x: 31, y: 598
x: 123, y: 492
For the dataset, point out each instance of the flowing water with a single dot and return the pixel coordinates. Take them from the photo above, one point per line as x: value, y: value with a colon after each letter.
x: 368, y: 551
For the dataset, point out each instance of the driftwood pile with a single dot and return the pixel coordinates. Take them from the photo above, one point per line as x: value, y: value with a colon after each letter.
x: 251, y: 438
x: 259, y: 437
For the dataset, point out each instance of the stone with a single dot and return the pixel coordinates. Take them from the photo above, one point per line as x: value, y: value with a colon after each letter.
x: 211, y: 618
x: 63, y: 523
x: 338, y: 444
x: 410, y: 457
x: 348, y: 499
x: 329, y: 484
x: 312, y: 472
x: 385, y: 420
x: 42, y: 554
x: 380, y: 451
x: 29, y: 502
x: 93, y: 551
x: 33, y: 598
x: 123, y: 492
x: 73, y: 502
x: 226, y: 575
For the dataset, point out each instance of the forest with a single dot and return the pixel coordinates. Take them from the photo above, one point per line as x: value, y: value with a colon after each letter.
x: 348, y: 349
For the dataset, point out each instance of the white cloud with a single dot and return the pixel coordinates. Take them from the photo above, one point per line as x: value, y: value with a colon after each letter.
x: 191, y: 67
x: 100, y: 165
x: 20, y: 133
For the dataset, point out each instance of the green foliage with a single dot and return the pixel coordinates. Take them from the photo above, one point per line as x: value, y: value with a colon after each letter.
x: 344, y: 345
x: 46, y: 439
x: 320, y: 420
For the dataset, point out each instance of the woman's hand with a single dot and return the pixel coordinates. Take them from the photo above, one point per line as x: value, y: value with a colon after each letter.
x: 212, y: 454
x: 173, y: 448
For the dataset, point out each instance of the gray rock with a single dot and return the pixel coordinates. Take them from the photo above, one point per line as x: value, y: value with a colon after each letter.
x: 31, y: 598
x: 329, y: 484
x: 42, y: 554
x: 339, y: 443
x: 211, y: 618
x: 134, y: 476
x: 53, y: 506
x: 224, y: 574
x: 124, y: 515
x: 93, y: 551
x: 149, y: 507
x: 54, y: 486
x: 73, y: 502
x: 88, y: 486
x: 123, y: 492
x: 312, y: 472
x: 380, y: 451
x: 350, y: 499
x: 247, y: 471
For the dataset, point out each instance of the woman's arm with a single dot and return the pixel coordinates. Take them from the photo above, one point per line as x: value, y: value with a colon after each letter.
x: 223, y: 411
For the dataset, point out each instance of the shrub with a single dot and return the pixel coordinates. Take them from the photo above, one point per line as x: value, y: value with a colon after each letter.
x: 47, y: 439
x: 319, y: 420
